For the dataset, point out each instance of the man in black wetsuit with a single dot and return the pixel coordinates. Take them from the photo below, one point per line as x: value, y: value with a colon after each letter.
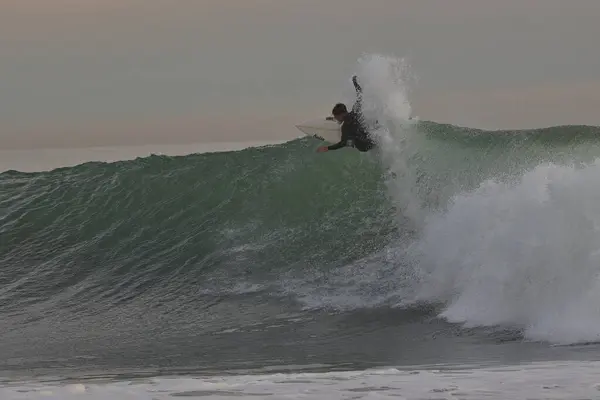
x: 354, y: 133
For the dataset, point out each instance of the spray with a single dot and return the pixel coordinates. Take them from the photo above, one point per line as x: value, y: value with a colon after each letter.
x: 523, y: 255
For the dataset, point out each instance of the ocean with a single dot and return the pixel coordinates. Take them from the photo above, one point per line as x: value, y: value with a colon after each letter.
x: 450, y: 263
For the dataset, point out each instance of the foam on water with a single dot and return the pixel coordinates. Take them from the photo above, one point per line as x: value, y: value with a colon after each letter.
x: 534, y: 381
x: 526, y: 255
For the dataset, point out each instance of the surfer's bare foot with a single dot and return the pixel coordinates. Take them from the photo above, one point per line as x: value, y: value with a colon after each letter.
x: 322, y: 149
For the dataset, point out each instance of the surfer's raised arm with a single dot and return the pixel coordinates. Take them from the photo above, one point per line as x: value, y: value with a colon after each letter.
x: 357, y: 107
x: 356, y: 85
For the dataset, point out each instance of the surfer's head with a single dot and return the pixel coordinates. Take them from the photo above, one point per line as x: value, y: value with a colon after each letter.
x: 339, y: 112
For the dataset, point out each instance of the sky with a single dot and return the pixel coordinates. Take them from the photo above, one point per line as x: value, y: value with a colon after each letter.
x: 77, y: 73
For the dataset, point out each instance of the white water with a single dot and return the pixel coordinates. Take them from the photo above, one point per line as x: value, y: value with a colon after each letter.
x: 534, y: 381
x: 523, y: 255
x: 385, y: 84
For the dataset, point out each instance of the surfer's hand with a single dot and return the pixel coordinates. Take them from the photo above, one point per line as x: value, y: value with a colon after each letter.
x: 356, y: 85
x: 322, y: 149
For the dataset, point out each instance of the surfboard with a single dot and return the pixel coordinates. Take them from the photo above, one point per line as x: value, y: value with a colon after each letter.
x: 322, y: 129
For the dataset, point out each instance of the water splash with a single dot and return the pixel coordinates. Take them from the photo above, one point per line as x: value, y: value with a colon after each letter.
x: 386, y: 88
x: 524, y: 255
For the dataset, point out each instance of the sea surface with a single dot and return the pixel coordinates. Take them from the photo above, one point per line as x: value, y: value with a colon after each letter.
x: 450, y: 263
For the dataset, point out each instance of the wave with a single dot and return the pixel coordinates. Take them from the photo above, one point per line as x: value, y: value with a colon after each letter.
x: 500, y: 228
x: 101, y: 233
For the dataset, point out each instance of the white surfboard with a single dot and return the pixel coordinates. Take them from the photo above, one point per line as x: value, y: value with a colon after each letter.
x: 323, y: 129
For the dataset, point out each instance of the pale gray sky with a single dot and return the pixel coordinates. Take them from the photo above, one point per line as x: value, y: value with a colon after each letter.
x: 110, y: 72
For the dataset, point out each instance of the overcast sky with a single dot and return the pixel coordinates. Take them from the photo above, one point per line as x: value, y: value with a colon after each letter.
x: 109, y: 72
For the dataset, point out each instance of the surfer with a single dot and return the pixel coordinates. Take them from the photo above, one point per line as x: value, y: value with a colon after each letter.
x: 354, y: 133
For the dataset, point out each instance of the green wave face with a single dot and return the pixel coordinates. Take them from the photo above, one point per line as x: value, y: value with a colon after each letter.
x: 123, y: 228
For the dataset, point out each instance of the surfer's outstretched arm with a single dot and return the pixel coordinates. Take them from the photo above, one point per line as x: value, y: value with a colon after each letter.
x: 343, y: 141
x: 346, y: 135
x: 336, y: 146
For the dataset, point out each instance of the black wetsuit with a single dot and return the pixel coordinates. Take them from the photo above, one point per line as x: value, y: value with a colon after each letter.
x: 354, y: 132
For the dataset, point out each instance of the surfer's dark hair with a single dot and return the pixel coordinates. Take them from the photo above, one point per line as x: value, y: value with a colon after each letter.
x: 339, y: 108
